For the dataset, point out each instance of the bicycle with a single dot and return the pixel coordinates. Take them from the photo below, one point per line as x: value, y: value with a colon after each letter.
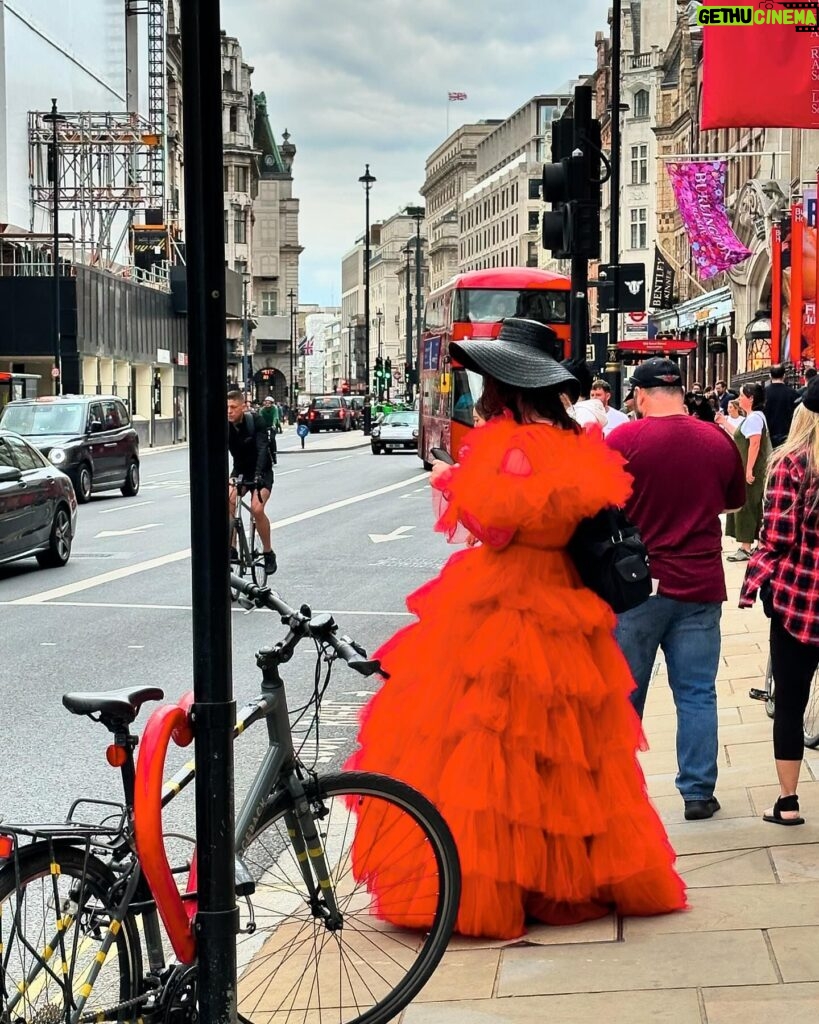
x: 249, y: 558
x: 768, y: 694
x: 317, y: 939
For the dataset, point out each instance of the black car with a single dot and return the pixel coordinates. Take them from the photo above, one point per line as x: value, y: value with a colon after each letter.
x: 356, y: 411
x: 89, y: 437
x: 38, y: 508
x: 329, y: 412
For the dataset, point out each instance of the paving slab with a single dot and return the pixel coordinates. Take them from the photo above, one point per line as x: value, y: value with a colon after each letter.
x: 795, y: 952
x: 742, y: 777
x: 727, y: 908
x: 649, y: 961
x: 762, y: 1004
x: 736, y: 834
x: 680, y: 1006
x: 604, y: 929
x: 734, y: 803
x: 796, y: 863
x: 748, y: 867
x: 463, y: 974
x: 763, y: 797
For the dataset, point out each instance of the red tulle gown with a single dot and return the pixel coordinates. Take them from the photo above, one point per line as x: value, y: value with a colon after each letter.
x: 508, y: 705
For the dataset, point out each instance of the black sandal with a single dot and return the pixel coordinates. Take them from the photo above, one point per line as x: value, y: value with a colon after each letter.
x: 784, y: 803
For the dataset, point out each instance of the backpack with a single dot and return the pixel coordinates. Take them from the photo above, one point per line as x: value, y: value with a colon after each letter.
x: 612, y: 559
x: 250, y: 425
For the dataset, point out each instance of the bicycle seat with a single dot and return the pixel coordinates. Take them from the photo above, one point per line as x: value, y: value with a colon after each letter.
x: 112, y: 705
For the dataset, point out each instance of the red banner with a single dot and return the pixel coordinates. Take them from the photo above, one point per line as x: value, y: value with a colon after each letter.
x: 760, y: 75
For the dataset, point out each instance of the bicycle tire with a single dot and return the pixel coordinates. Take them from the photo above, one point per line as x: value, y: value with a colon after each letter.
x: 34, y: 864
x: 258, y: 570
x: 811, y: 721
x: 360, y: 788
x: 770, y: 689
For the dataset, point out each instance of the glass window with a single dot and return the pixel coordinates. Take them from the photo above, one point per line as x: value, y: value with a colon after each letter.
x: 226, y: 180
x: 466, y: 389
x: 488, y: 306
x: 269, y: 303
x: 240, y: 179
x: 639, y: 165
x: 326, y: 403
x: 124, y: 416
x: 39, y: 420
x: 24, y: 456
x: 534, y: 220
x: 5, y: 454
x: 239, y: 226
x: 639, y: 229
x: 111, y: 416
x: 227, y: 226
x: 234, y: 119
x: 534, y: 188
x: 641, y: 103
x: 95, y: 413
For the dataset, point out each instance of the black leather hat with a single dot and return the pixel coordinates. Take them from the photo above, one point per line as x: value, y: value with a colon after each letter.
x: 522, y: 355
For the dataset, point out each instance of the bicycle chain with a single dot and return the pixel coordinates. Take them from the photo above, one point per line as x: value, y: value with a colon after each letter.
x: 91, y: 1018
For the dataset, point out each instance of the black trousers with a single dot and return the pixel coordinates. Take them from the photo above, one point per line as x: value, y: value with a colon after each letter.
x: 793, y: 664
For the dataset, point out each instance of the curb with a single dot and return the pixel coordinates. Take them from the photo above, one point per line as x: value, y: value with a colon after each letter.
x: 323, y: 451
x: 182, y: 446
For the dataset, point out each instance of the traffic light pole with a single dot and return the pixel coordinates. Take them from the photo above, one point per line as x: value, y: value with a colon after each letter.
x: 613, y: 374
x: 579, y: 300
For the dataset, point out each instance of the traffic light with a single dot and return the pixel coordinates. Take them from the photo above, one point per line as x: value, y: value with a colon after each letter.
x: 572, y: 184
x: 388, y: 368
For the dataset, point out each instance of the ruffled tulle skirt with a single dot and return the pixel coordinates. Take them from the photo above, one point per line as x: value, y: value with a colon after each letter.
x: 508, y: 707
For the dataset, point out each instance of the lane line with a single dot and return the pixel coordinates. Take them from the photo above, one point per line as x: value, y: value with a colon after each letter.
x: 158, y: 476
x: 178, y: 556
x: 343, y: 457
x: 314, y: 464
x: 185, y: 608
x: 123, y: 508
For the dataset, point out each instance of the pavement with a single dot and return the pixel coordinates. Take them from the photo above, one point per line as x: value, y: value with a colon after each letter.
x: 746, y: 950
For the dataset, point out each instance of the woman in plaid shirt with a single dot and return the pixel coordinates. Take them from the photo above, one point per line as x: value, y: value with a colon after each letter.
x: 785, y: 573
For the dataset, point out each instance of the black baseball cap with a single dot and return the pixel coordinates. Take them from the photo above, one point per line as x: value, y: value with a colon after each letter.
x: 655, y: 373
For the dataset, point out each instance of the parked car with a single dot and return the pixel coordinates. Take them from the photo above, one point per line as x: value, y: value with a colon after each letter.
x: 329, y: 412
x: 356, y: 411
x: 397, y: 431
x: 38, y: 506
x: 89, y: 437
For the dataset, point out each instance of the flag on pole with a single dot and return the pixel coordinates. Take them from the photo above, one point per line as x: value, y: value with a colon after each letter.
x: 454, y: 96
x: 306, y: 346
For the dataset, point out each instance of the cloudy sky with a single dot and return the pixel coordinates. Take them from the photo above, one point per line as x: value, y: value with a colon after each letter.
x: 358, y: 82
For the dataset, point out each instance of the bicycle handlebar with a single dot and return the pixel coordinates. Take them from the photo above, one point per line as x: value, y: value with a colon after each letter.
x: 304, y: 624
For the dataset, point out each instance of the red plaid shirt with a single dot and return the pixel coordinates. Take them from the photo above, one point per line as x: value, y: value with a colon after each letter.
x: 788, y: 554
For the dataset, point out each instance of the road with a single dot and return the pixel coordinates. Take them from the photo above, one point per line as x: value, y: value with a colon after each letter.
x: 119, y: 613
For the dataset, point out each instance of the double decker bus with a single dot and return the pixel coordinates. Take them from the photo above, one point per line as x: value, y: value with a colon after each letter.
x: 473, y: 305
x: 14, y: 386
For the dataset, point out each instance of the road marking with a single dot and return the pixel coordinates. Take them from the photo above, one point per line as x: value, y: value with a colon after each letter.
x: 343, y: 457
x: 286, y: 472
x: 158, y: 476
x: 123, y: 508
x: 399, y: 533
x: 314, y: 464
x: 136, y: 647
x: 178, y: 556
x: 48, y: 645
x: 128, y: 532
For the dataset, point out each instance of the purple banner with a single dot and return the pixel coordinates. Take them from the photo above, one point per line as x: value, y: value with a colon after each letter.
x: 700, y: 192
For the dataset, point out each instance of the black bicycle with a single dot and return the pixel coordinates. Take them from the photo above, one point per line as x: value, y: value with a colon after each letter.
x: 811, y: 721
x: 247, y: 554
x: 348, y: 884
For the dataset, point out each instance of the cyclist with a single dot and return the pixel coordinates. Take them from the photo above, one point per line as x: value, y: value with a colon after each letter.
x: 248, y: 446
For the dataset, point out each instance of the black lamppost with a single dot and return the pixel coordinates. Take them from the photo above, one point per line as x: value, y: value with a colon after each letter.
x: 292, y: 391
x: 613, y: 363
x: 367, y: 180
x: 379, y: 316
x: 417, y: 213
x: 350, y: 328
x: 408, y: 354
x: 54, y: 119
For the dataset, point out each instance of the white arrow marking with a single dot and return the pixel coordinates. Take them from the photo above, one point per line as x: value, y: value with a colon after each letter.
x: 397, y: 534
x: 126, y: 533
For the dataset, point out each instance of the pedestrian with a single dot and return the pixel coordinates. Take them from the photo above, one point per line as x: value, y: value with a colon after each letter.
x: 367, y: 415
x: 724, y: 395
x: 270, y: 417
x: 601, y: 390
x: 507, y: 699
x: 734, y: 416
x: 753, y: 440
x: 282, y: 413
x: 686, y: 473
x: 780, y: 404
x: 698, y: 405
x: 785, y: 573
x: 810, y: 373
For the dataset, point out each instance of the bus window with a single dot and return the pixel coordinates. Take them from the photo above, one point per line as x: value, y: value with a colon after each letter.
x: 489, y: 306
x: 467, y: 387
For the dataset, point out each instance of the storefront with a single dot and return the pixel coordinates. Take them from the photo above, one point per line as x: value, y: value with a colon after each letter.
x: 706, y: 325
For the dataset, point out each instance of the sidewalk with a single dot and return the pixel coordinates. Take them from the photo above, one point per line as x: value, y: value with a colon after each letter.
x: 289, y: 443
x: 746, y: 951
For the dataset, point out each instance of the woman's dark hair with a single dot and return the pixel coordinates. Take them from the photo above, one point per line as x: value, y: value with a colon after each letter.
x: 523, y: 402
x: 579, y: 369
x: 482, y: 410
x: 757, y: 395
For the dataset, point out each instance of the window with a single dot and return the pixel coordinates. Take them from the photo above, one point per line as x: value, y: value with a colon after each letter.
x: 111, y: 416
x: 534, y: 220
x: 124, y: 415
x: 240, y: 178
x: 239, y: 226
x: 240, y: 266
x: 641, y: 103
x: 534, y: 188
x: 5, y: 454
x: 95, y: 414
x: 639, y: 165
x: 227, y: 226
x: 269, y: 303
x: 639, y: 229
x: 226, y: 180
x: 25, y: 457
x: 531, y: 259
x: 234, y: 119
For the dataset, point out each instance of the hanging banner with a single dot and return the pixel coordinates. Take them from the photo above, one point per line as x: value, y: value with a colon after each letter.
x: 759, y: 65
x: 662, y: 282
x: 797, y: 264
x: 699, y: 189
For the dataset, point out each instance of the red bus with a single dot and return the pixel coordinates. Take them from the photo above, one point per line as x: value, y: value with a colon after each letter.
x: 473, y: 305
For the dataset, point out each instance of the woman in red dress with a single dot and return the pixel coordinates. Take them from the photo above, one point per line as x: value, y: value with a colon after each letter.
x: 507, y: 703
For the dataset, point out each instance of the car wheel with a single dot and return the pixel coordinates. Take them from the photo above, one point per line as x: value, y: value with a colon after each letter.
x: 376, y: 449
x: 59, y: 543
x: 85, y: 483
x: 131, y: 486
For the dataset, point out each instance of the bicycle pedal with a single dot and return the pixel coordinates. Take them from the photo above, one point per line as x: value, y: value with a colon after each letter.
x: 756, y: 694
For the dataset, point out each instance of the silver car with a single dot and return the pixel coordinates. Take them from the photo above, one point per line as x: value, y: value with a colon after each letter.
x: 397, y: 431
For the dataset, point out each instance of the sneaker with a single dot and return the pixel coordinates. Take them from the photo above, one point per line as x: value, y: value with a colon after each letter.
x: 740, y: 555
x: 270, y: 564
x: 699, y: 810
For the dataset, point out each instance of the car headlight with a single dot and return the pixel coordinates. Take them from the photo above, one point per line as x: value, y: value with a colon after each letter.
x: 57, y: 456
x: 376, y: 431
x: 415, y: 433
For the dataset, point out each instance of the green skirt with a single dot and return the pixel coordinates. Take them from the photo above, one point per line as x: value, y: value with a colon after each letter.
x: 744, y: 525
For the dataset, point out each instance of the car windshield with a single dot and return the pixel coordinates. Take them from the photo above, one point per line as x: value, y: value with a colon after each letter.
x: 401, y: 419
x: 490, y: 305
x: 36, y: 420
x: 327, y: 403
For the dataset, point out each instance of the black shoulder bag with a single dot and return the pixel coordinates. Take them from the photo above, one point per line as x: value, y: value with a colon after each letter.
x: 612, y: 559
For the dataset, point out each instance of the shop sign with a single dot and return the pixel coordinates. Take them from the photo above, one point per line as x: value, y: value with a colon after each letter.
x: 163, y: 355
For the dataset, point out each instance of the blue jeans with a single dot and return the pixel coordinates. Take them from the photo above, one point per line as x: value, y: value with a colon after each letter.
x: 688, y: 634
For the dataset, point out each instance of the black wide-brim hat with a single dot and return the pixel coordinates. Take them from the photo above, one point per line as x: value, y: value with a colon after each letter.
x: 521, y: 355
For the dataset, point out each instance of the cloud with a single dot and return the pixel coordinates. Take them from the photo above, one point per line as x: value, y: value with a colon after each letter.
x: 356, y: 82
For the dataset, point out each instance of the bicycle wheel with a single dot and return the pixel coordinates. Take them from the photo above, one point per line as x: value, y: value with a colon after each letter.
x: 258, y: 569
x: 811, y: 724
x: 770, y: 687
x: 45, y: 965
x: 293, y: 967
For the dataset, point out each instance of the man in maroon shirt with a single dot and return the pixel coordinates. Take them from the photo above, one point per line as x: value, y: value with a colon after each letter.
x: 686, y: 472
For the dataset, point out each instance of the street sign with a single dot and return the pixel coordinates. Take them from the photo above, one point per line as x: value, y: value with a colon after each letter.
x: 636, y: 325
x: 55, y: 373
x: 621, y: 287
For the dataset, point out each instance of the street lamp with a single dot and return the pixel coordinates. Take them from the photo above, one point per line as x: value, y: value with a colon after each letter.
x: 408, y: 355
x: 245, y: 336
x: 379, y: 316
x: 367, y: 180
x: 350, y: 335
x: 292, y: 296
x: 613, y: 365
x: 758, y: 336
x: 54, y: 119
x: 417, y: 213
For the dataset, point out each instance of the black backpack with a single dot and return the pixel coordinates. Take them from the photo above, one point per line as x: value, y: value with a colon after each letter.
x: 612, y: 559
